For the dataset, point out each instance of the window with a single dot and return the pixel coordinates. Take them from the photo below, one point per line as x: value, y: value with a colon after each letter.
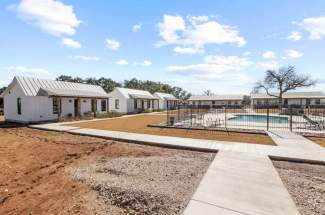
x: 19, y: 106
x: 55, y: 105
x: 103, y: 105
x: 317, y: 101
x: 117, y: 104
x: 148, y: 104
x: 135, y: 104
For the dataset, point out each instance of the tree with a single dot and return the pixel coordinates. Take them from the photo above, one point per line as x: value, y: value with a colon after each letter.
x: 282, y: 80
x: 207, y: 93
x: 2, y: 89
x: 108, y: 85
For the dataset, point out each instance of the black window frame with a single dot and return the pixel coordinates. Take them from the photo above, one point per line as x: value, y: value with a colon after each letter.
x: 117, y: 104
x: 19, y: 106
x: 103, y: 105
x: 55, y: 105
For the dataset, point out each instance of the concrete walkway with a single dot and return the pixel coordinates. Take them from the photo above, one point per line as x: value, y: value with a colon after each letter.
x: 289, y: 145
x: 241, y: 183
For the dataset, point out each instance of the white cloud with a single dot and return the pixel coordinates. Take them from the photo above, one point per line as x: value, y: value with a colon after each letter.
x: 136, y: 28
x: 315, y: 26
x: 269, y: 55
x: 51, y: 16
x: 212, y: 66
x: 293, y: 53
x: 144, y: 63
x: 169, y: 27
x: 112, y: 44
x: 85, y: 58
x: 188, y: 50
x: 295, y: 36
x: 272, y: 65
x: 70, y: 43
x: 122, y: 62
x: 22, y: 69
x: 196, y: 32
x: 197, y: 19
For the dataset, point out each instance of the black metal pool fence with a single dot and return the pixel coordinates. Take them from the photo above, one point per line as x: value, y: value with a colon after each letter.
x: 293, y: 118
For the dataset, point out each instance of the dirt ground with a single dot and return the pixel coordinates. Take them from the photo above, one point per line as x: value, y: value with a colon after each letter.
x: 138, y: 124
x: 306, y: 184
x: 319, y: 140
x: 36, y: 173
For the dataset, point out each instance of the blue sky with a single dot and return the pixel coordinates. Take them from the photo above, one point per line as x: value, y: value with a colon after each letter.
x: 224, y: 45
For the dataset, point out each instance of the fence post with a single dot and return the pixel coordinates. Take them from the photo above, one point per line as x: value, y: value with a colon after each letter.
x: 268, y: 118
x: 191, y: 115
x: 290, y: 118
x: 225, y: 117
x: 178, y: 114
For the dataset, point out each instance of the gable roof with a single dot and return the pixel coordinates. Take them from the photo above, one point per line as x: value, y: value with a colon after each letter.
x: 165, y: 96
x: 133, y: 93
x: 41, y: 87
x: 290, y: 95
x: 225, y: 97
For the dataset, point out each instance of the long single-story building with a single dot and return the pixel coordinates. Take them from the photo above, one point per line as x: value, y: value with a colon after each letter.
x: 29, y: 100
x: 303, y: 99
x: 125, y: 100
x: 217, y: 100
x: 165, y: 101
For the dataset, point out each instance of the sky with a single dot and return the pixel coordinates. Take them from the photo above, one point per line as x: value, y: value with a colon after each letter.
x: 224, y: 46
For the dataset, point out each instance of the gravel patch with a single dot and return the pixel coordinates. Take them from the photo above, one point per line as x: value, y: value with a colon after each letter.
x: 306, y: 184
x: 146, y: 185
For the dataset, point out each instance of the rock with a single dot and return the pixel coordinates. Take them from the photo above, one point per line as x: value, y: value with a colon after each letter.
x: 3, y: 199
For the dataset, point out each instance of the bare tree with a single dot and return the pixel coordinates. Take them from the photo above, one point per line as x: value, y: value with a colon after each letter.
x: 282, y: 81
x: 207, y: 93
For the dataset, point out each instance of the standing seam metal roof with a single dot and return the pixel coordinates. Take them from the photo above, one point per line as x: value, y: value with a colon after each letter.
x: 31, y: 87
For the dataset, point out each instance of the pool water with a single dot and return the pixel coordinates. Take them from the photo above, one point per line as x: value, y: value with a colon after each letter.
x: 260, y: 119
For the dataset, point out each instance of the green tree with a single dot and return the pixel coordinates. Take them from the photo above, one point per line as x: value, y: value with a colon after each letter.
x: 2, y: 89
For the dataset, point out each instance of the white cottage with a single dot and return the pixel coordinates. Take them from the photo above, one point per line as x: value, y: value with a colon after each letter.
x: 125, y: 100
x: 29, y: 100
x: 165, y: 101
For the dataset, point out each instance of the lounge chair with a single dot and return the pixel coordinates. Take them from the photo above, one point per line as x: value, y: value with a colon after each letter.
x: 315, y: 124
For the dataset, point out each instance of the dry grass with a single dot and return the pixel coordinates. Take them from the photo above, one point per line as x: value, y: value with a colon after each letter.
x: 139, y: 124
x: 319, y: 140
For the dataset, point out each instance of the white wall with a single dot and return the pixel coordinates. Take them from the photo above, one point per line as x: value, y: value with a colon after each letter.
x: 33, y: 108
x: 124, y: 103
x: 67, y: 107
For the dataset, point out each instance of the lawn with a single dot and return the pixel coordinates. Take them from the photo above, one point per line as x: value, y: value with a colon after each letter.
x: 139, y: 124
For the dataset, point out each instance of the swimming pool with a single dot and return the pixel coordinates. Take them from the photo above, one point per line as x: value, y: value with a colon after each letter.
x: 260, y: 119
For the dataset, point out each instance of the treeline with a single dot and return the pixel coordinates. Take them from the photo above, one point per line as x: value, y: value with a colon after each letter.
x: 2, y: 89
x: 109, y: 84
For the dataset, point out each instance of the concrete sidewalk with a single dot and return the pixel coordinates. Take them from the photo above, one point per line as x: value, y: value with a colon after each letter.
x: 241, y: 183
x: 294, y: 147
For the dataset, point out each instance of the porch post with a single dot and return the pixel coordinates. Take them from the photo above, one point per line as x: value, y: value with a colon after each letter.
x: 107, y: 105
x: 60, y: 107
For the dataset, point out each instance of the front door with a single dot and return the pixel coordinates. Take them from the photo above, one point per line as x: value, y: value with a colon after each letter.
x: 76, y: 108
